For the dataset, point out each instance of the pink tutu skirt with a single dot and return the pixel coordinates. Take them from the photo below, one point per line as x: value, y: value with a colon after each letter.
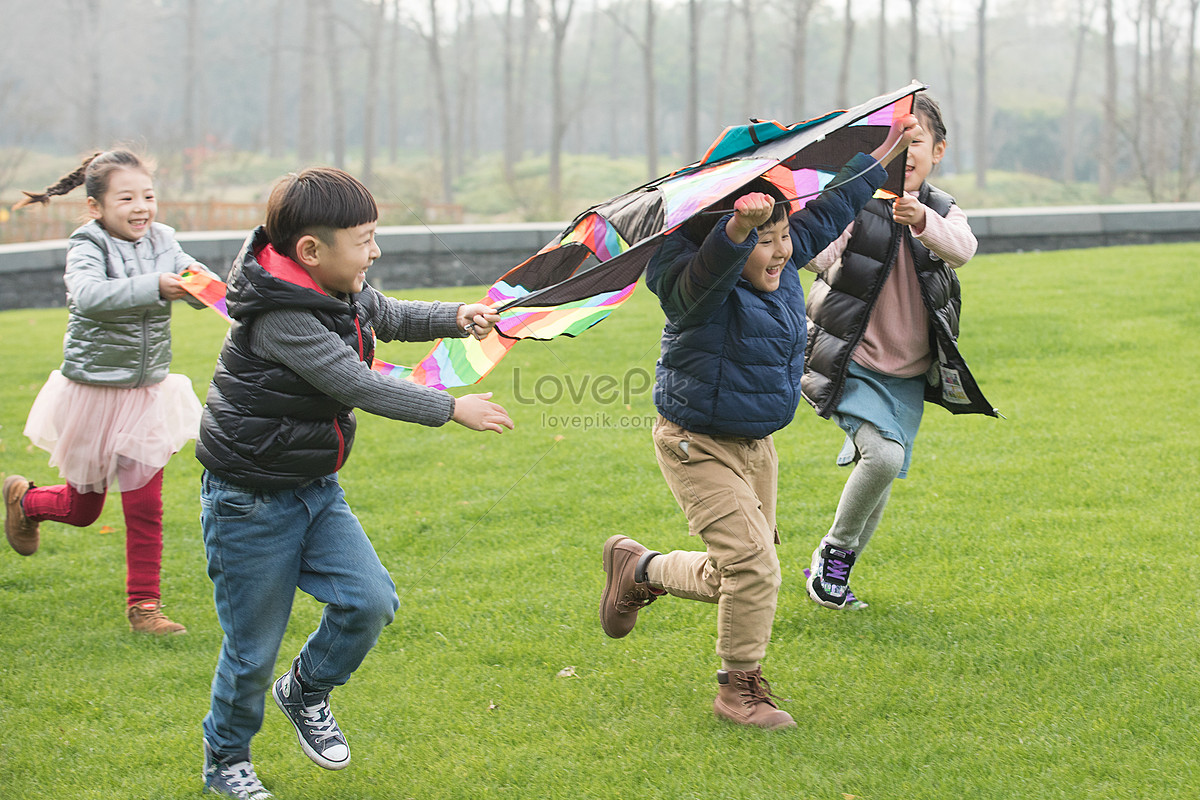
x: 101, y: 436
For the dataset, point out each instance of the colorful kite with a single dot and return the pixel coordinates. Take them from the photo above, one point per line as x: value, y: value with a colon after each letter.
x: 594, y: 265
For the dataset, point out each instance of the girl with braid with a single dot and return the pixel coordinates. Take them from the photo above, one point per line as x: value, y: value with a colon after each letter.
x: 111, y: 415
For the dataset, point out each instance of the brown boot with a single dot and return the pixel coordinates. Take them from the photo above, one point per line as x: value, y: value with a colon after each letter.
x: 745, y: 698
x: 625, y: 589
x: 21, y: 532
x: 147, y: 617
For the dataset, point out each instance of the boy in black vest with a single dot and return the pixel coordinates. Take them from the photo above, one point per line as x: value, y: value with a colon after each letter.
x: 729, y: 377
x: 277, y: 427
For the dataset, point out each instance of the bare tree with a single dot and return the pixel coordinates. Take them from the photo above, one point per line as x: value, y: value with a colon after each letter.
x: 723, y: 60
x: 306, y: 140
x: 1108, y: 135
x: 376, y: 22
x: 645, y: 43
x: 274, y: 121
x: 691, y: 114
x: 517, y: 46
x: 800, y: 10
x: 1187, y: 149
x: 90, y: 34
x: 948, y: 39
x: 750, y: 78
x: 914, y: 40
x: 337, y: 98
x: 466, y: 34
x: 882, y: 47
x: 393, y: 83
x: 441, y: 100
x: 191, y: 90
x: 981, y: 106
x: 843, y: 81
x: 1083, y: 24
x: 560, y: 18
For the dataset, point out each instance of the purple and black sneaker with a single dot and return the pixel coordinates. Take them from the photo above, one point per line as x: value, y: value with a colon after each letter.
x: 828, y: 582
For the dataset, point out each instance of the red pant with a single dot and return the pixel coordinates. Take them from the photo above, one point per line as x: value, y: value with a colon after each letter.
x: 143, y: 526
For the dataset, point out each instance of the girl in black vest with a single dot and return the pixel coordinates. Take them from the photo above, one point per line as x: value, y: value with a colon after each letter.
x: 883, y: 322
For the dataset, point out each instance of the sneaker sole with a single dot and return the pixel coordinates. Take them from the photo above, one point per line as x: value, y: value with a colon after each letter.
x: 812, y: 594
x: 316, y: 757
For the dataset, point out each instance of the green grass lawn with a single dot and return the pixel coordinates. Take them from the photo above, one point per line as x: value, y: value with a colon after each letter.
x: 1032, y: 629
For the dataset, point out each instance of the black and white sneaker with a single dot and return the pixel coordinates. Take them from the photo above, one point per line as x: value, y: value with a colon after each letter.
x: 232, y: 776
x: 309, y: 712
x: 829, y: 582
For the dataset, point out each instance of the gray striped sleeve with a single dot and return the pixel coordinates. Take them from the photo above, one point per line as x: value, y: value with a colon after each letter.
x: 297, y: 340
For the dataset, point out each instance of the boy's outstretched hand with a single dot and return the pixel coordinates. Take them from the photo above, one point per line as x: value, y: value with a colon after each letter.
x: 477, y: 319
x: 479, y: 413
x: 749, y: 211
x: 900, y: 136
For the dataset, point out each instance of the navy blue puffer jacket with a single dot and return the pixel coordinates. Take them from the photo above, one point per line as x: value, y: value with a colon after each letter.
x: 732, y: 356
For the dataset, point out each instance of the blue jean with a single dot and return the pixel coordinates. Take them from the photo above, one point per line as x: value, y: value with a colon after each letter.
x: 262, y: 546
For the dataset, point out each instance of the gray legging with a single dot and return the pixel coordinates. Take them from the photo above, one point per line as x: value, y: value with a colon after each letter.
x: 866, y: 491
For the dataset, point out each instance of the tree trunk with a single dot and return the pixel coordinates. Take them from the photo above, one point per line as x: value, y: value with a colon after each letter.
x: 512, y: 150
x: 651, y: 96
x: 882, y: 47
x: 843, y: 81
x: 799, y: 46
x: 375, y: 24
x: 393, y: 85
x: 306, y: 138
x: 1108, y: 136
x: 1187, y: 148
x: 558, y: 122
x: 750, y: 79
x: 1068, y: 139
x: 337, y: 98
x: 274, y: 122
x: 948, y: 38
x: 981, y: 103
x: 191, y: 80
x: 914, y: 42
x: 441, y: 102
x: 691, y: 114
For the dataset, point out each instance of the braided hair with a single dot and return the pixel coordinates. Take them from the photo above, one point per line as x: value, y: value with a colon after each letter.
x: 93, y: 174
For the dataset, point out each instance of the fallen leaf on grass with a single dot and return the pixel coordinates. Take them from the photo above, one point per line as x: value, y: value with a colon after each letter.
x: 567, y: 672
x: 106, y: 529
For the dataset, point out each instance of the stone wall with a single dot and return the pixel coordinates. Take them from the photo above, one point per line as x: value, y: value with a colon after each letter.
x: 474, y: 255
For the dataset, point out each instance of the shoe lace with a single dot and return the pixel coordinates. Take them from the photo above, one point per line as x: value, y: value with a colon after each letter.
x: 319, y: 719
x: 836, y: 569
x: 636, y: 598
x: 240, y: 778
x: 755, y: 689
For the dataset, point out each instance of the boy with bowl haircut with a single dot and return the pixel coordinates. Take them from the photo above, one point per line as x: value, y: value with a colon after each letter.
x: 277, y: 426
x: 729, y: 377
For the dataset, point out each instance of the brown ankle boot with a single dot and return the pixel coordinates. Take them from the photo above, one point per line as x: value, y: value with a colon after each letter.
x: 147, y: 617
x: 625, y: 588
x: 21, y: 532
x: 745, y: 698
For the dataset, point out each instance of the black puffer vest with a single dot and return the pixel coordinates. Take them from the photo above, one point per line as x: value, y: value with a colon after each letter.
x: 841, y: 300
x: 264, y: 426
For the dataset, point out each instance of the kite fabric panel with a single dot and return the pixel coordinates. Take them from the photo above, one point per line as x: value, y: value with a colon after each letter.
x: 594, y: 265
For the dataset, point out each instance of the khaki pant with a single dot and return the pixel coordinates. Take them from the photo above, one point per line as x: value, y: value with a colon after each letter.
x: 727, y: 487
